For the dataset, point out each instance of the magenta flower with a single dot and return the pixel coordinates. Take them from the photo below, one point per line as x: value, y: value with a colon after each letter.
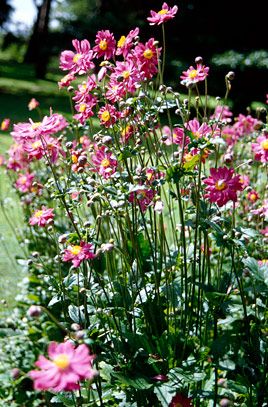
x: 24, y: 182
x: 82, y: 94
x: 64, y: 369
x: 222, y: 185
x: 42, y: 217
x: 146, y: 56
x: 194, y: 75
x: 84, y: 109
x: 125, y: 77
x: 198, y: 130
x: 79, y: 62
x: 105, y: 45
x: 108, y: 115
x: 261, y: 148
x: 104, y: 162
x: 125, y: 44
x: 180, y: 401
x: 174, y: 137
x: 165, y: 14
x: 143, y: 197
x: 78, y: 253
x: 47, y: 145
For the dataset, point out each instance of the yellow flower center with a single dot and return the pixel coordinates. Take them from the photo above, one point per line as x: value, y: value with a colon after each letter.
x: 121, y: 42
x: 197, y: 134
x: 149, y: 176
x: 82, y: 107
x: 62, y: 361
x: 75, y: 250
x: 220, y: 185
x: 125, y: 131
x: 187, y: 157
x: 103, y: 45
x: 253, y: 197
x: 105, y: 116
x: 38, y: 214
x: 126, y: 74
x: 163, y: 11
x: 74, y: 158
x: 105, y: 163
x: 23, y: 180
x: 148, y: 53
x: 193, y: 74
x: 36, y: 144
x: 178, y: 405
x: 264, y: 144
x: 76, y: 58
x: 36, y: 125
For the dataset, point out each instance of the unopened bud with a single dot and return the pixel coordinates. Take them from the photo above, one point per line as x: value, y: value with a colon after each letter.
x: 230, y: 76
x: 198, y: 60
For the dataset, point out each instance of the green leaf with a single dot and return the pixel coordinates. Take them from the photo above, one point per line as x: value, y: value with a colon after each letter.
x: 76, y: 314
x: 165, y: 393
x: 139, y: 383
x: 65, y: 398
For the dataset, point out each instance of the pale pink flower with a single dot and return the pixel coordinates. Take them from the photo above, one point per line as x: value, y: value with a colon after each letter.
x: 245, y: 125
x: 5, y: 124
x: 261, y: 148
x: 125, y: 44
x: 78, y: 62
x: 159, y: 206
x: 33, y: 104
x: 262, y: 211
x: 222, y: 185
x: 78, y: 253
x: 45, y: 145
x: 143, y: 197
x: 17, y: 158
x: 108, y: 115
x: 42, y: 217
x: 34, y: 311
x: 194, y: 75
x: 64, y: 369
x: 104, y: 162
x: 165, y: 14
x: 146, y: 56
x: 24, y: 182
x: 105, y: 45
x: 66, y: 80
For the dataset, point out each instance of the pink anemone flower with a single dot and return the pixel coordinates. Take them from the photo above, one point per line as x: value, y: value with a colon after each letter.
x: 222, y: 185
x: 179, y: 400
x: 105, y: 45
x: 194, y: 75
x: 261, y: 148
x: 143, y: 197
x: 104, y: 162
x: 198, y: 130
x: 125, y: 43
x: 42, y: 217
x: 78, y: 253
x: 78, y: 62
x: 64, y: 369
x: 163, y: 15
x: 24, y: 182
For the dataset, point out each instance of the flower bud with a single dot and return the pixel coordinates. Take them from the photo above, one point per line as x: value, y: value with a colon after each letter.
x: 15, y: 373
x: 198, y: 60
x: 230, y: 76
x: 34, y: 311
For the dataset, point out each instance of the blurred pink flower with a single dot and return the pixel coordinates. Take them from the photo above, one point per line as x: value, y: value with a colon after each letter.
x: 79, y: 62
x: 5, y: 124
x: 245, y: 125
x: 222, y: 113
x: 143, y: 197
x: 77, y: 253
x: 42, y: 217
x: 261, y: 148
x: 244, y: 181
x: 33, y: 104
x: 66, y: 80
x: 24, y: 182
x: 174, y: 137
x: 165, y: 14
x: 64, y: 369
x: 222, y: 185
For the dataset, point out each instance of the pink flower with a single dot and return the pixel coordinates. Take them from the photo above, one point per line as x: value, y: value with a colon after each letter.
x: 253, y: 196
x: 33, y: 104
x: 198, y: 130
x: 229, y: 135
x: 194, y: 75
x: 244, y: 181
x: 105, y: 45
x: 24, y: 182
x: 42, y: 217
x: 84, y: 109
x: 77, y: 253
x: 17, y: 158
x: 46, y: 145
x: 49, y: 125
x: 79, y: 62
x: 64, y: 369
x: 5, y: 124
x: 222, y: 185
x: 143, y: 197
x: 165, y: 14
x: 82, y: 94
x: 176, y: 137
x: 146, y: 56
x: 125, y: 44
x: 245, y: 125
x: 262, y: 211
x: 66, y: 80
x: 104, y: 162
x: 264, y: 231
x: 108, y: 115
x: 261, y: 148
x: 126, y: 76
x: 223, y: 114
x: 180, y: 401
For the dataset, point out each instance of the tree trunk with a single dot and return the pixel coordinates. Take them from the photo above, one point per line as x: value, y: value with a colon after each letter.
x: 38, y: 51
